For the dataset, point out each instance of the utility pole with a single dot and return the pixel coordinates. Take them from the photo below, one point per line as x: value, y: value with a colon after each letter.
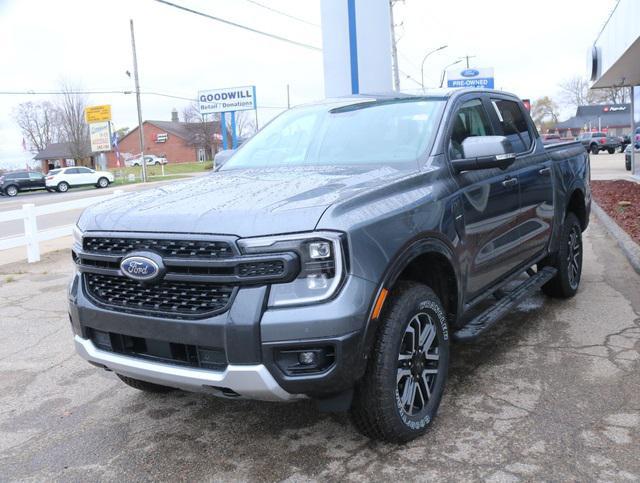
x: 394, y: 50
x: 140, y: 127
x: 467, y: 57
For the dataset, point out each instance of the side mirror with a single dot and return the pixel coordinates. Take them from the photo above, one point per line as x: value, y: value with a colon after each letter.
x: 483, y: 152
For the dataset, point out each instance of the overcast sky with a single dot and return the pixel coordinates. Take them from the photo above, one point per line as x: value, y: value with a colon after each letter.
x: 531, y: 45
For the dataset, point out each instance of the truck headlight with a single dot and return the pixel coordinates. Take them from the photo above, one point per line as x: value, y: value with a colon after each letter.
x: 77, y: 236
x: 322, y: 265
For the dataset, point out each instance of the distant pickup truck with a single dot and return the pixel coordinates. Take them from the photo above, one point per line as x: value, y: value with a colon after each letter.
x: 150, y: 160
x: 335, y: 256
x: 594, y: 142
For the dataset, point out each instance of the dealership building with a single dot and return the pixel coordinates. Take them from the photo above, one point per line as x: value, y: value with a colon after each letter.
x: 614, y: 58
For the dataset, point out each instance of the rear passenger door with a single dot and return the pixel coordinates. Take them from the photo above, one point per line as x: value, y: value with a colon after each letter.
x: 533, y: 168
x: 488, y: 202
x: 36, y: 181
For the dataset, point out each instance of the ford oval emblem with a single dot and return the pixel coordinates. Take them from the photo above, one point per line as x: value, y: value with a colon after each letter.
x: 469, y: 73
x: 140, y: 268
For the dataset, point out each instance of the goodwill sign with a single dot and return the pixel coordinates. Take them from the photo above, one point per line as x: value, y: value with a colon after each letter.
x: 228, y: 99
x: 470, y: 78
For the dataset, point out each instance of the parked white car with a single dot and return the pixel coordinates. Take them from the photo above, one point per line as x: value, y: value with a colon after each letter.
x: 150, y: 159
x: 64, y: 178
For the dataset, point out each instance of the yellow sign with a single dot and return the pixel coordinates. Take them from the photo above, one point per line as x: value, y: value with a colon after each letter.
x: 98, y: 113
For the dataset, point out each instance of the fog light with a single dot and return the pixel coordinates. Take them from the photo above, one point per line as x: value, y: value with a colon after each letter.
x: 307, y: 358
x: 317, y: 281
x: 319, y: 250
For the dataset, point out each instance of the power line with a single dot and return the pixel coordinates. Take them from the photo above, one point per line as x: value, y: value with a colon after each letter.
x: 283, y: 13
x: 146, y: 93
x: 244, y: 27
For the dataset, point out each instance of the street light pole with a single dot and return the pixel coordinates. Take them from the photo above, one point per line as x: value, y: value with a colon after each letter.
x: 137, y: 82
x: 444, y: 71
x: 422, y: 65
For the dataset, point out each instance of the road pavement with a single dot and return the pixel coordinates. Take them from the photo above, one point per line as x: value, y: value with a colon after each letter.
x: 608, y: 166
x: 550, y: 394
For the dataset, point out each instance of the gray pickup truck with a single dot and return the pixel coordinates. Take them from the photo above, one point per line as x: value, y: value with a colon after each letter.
x: 335, y: 256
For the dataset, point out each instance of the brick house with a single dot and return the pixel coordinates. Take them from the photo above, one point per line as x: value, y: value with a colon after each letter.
x: 179, y: 142
x: 60, y: 155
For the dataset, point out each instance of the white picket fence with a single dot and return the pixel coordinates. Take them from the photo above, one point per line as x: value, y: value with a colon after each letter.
x: 29, y: 214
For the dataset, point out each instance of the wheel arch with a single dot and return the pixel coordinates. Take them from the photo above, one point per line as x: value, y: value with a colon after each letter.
x: 413, y: 262
x: 576, y: 203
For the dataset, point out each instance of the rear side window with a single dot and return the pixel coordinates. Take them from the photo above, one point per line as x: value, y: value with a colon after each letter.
x: 35, y: 176
x: 71, y: 171
x: 53, y: 172
x: 470, y: 120
x: 514, y: 125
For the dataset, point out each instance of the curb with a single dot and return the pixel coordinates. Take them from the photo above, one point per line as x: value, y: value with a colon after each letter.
x: 629, y: 247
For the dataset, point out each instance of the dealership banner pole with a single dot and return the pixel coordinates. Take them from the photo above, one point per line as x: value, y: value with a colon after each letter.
x: 223, y: 129
x: 632, y: 136
x: 234, y: 134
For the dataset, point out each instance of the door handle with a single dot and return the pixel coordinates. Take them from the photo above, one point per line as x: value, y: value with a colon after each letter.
x: 544, y: 172
x: 510, y: 182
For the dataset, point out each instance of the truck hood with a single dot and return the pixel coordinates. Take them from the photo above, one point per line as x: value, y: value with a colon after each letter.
x: 237, y: 202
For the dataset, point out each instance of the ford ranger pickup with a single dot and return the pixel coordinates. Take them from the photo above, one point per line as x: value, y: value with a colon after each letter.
x: 336, y: 256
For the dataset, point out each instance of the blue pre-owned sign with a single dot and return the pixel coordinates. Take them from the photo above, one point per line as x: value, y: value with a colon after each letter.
x: 470, y: 78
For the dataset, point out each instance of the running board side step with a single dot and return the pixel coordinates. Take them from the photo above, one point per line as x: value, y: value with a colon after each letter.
x: 493, y: 314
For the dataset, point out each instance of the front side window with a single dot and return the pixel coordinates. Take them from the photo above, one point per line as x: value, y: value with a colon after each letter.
x: 470, y: 120
x: 394, y: 132
x: 514, y: 125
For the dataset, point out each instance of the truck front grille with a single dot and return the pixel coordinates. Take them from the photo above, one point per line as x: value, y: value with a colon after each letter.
x: 165, y: 247
x: 167, y: 298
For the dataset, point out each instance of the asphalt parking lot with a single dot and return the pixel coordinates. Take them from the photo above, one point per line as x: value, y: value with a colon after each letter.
x: 552, y: 394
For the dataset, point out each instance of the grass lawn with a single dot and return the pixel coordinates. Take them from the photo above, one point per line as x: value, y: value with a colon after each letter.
x: 150, y: 179
x: 169, y: 170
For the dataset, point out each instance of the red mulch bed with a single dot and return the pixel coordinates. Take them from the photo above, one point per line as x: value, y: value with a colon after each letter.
x: 609, y: 194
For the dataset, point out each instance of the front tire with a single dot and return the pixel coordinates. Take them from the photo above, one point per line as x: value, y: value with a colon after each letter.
x: 627, y: 165
x: 568, y: 261
x: 399, y: 395
x: 594, y: 149
x: 103, y: 183
x: 62, y: 187
x: 611, y: 150
x: 144, y: 385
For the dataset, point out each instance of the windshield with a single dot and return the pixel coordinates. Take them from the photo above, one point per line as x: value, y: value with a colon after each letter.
x: 388, y: 133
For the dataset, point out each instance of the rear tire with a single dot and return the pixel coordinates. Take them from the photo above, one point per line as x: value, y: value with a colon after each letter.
x: 568, y: 261
x: 594, y: 149
x: 144, y: 385
x: 627, y: 165
x: 399, y: 395
x: 11, y: 191
x: 62, y: 187
x: 611, y: 150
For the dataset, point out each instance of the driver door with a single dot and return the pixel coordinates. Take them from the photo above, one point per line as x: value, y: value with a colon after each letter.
x: 488, y: 202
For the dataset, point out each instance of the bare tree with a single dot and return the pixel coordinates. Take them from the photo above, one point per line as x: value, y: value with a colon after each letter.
x: 201, y: 129
x: 615, y: 95
x: 39, y: 123
x: 74, y: 128
x: 576, y: 92
x: 544, y: 112
x: 245, y: 124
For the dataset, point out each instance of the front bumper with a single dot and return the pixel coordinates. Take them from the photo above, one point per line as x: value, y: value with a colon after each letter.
x: 251, y: 338
x: 249, y: 381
